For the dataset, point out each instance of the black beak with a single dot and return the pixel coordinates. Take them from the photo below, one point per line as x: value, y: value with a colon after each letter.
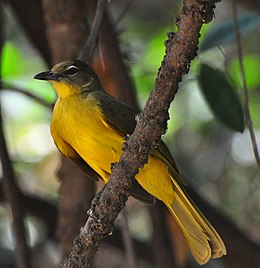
x: 49, y: 75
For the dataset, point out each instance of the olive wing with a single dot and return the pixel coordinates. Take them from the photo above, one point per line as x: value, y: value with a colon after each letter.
x: 122, y: 119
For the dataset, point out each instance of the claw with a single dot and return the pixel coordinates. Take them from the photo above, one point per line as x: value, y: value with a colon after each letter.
x: 91, y: 214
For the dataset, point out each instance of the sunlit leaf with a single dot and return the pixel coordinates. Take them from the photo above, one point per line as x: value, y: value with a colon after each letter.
x: 224, y: 33
x: 221, y: 97
x: 11, y: 62
x: 155, y: 51
x: 144, y: 73
x: 251, y: 66
x: 255, y: 109
x: 43, y: 90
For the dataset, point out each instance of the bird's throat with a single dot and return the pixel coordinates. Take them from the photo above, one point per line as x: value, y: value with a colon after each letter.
x: 63, y: 89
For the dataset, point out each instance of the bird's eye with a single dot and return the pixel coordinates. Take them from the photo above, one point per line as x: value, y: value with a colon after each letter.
x: 72, y: 70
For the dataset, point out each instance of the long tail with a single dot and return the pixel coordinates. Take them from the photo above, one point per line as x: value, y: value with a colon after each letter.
x: 202, y: 238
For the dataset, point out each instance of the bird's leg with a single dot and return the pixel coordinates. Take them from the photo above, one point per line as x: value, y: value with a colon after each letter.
x: 91, y: 211
x: 126, y: 138
x: 92, y: 214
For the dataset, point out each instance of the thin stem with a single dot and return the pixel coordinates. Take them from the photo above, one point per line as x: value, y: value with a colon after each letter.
x: 12, y: 196
x: 94, y: 31
x: 245, y: 89
x: 28, y: 94
x: 129, y: 249
x: 10, y: 188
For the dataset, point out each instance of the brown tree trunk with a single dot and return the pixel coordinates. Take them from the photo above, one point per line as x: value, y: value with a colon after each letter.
x: 66, y: 33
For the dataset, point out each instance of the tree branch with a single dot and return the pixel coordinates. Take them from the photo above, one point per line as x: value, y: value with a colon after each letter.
x: 30, y: 95
x: 37, y: 207
x: 22, y: 253
x: 245, y: 89
x: 113, y: 73
x: 11, y: 195
x: 66, y: 28
x: 64, y: 37
x: 163, y: 253
x: 181, y: 48
x: 33, y: 25
x: 115, y: 76
x: 130, y: 254
x: 89, y: 46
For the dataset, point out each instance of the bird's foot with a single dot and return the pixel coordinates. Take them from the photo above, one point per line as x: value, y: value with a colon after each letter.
x: 91, y: 211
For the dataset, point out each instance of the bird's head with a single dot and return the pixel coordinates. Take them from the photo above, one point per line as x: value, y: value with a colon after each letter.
x: 71, y: 77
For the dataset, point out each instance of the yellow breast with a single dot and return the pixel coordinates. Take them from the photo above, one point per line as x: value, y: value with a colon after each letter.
x: 80, y: 123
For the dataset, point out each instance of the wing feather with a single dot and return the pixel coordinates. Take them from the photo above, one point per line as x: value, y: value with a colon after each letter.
x: 122, y: 119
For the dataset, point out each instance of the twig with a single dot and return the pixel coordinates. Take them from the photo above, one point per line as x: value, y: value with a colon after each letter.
x: 181, y: 48
x: 102, y: 26
x: 10, y: 189
x: 245, y: 89
x: 11, y: 195
x: 163, y: 253
x: 38, y: 207
x: 129, y: 249
x: 31, y: 24
x: 29, y: 94
x: 89, y: 46
x: 115, y: 76
x: 66, y: 24
x: 123, y: 12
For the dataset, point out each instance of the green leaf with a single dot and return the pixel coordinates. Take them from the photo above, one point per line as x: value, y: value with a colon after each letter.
x: 145, y: 71
x: 221, y: 97
x: 224, y: 33
x: 155, y: 51
x: 11, y: 62
x: 251, y: 66
x: 255, y: 110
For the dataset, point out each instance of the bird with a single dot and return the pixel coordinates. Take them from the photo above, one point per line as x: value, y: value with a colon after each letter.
x: 89, y: 126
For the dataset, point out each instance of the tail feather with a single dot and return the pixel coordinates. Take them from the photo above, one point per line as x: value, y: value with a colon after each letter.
x: 202, y: 238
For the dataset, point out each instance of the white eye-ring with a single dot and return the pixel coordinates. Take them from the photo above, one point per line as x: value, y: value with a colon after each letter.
x: 72, y: 70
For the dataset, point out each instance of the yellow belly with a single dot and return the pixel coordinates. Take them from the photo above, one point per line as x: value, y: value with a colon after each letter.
x: 81, y: 124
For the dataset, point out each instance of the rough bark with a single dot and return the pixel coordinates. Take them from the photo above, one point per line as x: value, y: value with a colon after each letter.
x: 181, y: 48
x: 239, y: 243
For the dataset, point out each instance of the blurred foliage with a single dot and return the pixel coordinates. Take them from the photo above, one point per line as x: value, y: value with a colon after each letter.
x: 17, y: 71
x: 215, y: 160
x: 252, y: 66
x: 11, y: 55
x: 224, y: 33
x: 209, y: 155
x: 221, y: 97
x: 26, y: 121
